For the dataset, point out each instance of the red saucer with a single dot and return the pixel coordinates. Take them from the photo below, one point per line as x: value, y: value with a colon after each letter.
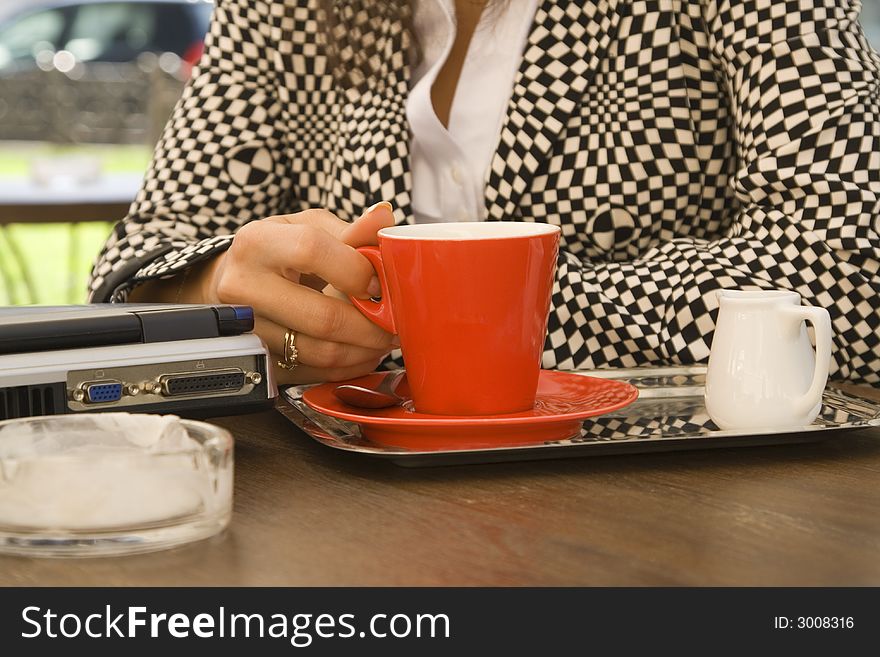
x: 563, y: 400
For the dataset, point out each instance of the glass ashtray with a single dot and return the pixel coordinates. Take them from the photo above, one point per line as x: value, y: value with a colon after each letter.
x: 106, y: 484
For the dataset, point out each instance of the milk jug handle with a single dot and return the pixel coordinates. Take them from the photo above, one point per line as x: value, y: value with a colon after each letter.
x: 821, y: 321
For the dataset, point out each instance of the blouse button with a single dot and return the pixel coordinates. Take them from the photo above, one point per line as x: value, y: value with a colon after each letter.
x: 455, y: 173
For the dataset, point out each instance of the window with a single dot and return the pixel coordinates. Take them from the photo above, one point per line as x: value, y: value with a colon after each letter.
x: 37, y: 31
x: 111, y: 32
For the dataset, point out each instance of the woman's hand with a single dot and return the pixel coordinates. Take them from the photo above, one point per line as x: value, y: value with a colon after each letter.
x: 280, y: 266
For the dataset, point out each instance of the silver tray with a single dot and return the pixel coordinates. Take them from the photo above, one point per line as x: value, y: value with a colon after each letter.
x: 668, y: 415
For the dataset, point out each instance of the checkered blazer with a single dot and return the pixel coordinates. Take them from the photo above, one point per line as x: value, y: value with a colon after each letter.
x: 682, y: 146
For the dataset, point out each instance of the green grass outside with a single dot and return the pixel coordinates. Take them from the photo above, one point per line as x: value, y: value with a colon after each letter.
x: 57, y: 257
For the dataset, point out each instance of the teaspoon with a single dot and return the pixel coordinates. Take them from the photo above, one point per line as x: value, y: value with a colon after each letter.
x: 382, y: 396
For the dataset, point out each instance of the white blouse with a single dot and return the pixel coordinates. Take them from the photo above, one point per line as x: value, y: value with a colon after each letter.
x: 450, y: 166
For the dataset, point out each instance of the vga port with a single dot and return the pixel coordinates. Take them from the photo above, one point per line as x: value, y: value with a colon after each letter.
x: 196, y: 383
x: 103, y: 392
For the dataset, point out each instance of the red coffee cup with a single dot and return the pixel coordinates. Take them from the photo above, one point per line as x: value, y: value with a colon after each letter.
x: 469, y: 302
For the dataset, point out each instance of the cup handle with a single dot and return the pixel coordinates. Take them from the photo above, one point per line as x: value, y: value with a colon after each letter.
x: 821, y: 321
x: 378, y: 312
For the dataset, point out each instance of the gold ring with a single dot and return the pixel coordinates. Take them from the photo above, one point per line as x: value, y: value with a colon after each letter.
x: 289, y: 354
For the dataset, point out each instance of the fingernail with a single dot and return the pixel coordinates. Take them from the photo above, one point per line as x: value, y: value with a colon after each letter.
x: 374, y: 289
x: 380, y: 204
x: 395, y: 341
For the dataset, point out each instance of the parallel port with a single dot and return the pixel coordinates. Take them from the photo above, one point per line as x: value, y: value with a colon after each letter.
x: 195, y: 383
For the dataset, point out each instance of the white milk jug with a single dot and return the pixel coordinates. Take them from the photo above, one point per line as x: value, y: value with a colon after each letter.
x: 762, y: 373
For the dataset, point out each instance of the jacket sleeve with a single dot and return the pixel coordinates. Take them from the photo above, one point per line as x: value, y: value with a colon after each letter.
x: 219, y: 163
x: 803, y: 88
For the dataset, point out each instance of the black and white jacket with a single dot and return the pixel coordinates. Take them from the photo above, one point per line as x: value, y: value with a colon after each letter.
x: 682, y: 145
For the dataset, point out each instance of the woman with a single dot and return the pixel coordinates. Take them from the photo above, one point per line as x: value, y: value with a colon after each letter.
x: 683, y: 147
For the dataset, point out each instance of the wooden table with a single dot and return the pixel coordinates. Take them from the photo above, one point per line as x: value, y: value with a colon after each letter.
x: 107, y: 199
x: 307, y: 515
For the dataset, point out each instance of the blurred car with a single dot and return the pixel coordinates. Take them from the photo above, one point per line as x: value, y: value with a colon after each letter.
x: 109, y: 31
x: 96, y: 71
x: 870, y: 20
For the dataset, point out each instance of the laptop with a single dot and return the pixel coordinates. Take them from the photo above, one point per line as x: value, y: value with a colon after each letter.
x: 189, y: 360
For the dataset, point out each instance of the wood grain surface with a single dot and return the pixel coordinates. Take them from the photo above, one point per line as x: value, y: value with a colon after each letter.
x: 308, y: 515
x: 49, y: 212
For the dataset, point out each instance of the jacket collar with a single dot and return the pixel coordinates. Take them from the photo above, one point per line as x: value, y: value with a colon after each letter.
x: 564, y: 48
